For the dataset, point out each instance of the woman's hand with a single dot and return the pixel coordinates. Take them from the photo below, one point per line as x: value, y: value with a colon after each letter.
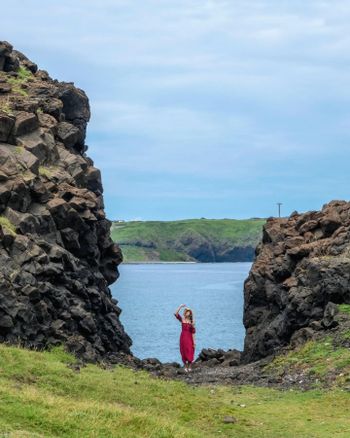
x: 179, y: 308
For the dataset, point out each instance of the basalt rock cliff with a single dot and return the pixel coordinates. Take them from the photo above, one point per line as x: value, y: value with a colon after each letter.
x: 56, y: 255
x: 301, y: 271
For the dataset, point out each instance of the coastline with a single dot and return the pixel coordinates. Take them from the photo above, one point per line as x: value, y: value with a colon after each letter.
x: 160, y: 263
x: 180, y: 263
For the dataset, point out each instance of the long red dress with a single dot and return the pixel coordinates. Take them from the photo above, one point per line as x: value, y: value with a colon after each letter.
x: 186, y: 340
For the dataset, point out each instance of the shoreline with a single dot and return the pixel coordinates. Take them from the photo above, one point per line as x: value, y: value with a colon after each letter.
x: 160, y: 263
x: 178, y: 263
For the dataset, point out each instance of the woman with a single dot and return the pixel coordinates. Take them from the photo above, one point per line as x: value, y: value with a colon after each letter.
x: 187, y: 338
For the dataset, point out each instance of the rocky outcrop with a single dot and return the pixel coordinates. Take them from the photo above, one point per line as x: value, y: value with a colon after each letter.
x: 302, y: 268
x: 202, y: 249
x: 56, y: 255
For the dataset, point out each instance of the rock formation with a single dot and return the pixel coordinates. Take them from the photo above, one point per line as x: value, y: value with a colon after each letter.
x: 201, y: 249
x: 302, y: 268
x: 57, y: 257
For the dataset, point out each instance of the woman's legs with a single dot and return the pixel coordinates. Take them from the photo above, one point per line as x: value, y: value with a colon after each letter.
x: 188, y: 366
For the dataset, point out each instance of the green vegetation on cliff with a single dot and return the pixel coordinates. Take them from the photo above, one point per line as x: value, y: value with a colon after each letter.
x: 202, y: 240
x: 43, y: 395
x: 323, y: 360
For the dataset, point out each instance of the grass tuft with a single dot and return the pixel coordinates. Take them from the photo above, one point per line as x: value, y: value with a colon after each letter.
x: 4, y: 222
x: 21, y: 79
x: 19, y: 150
x: 345, y: 308
x: 24, y: 74
x: 45, y: 171
x: 6, y: 108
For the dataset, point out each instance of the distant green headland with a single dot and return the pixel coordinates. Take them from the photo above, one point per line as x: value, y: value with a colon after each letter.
x: 192, y: 240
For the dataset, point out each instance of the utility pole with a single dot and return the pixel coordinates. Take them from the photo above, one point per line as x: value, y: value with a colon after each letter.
x: 279, y: 208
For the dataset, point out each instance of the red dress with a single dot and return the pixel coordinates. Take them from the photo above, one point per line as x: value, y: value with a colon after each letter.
x: 186, y: 340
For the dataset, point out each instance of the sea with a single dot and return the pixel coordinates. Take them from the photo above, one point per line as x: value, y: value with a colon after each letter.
x: 149, y: 294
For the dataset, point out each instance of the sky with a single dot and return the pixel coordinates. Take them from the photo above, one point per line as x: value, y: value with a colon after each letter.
x: 203, y: 108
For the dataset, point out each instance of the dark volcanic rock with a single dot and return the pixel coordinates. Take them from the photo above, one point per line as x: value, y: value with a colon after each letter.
x: 302, y: 268
x: 210, y: 357
x: 6, y: 124
x: 57, y: 257
x: 202, y: 249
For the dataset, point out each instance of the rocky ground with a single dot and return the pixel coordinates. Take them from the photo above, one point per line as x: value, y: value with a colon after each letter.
x: 320, y: 362
x: 56, y: 255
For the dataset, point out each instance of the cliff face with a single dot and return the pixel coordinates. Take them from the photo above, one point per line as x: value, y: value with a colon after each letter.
x: 56, y: 255
x: 202, y: 249
x: 200, y: 240
x: 302, y: 268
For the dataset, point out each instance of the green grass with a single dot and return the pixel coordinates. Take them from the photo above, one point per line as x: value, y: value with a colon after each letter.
x: 135, y: 253
x: 17, y: 82
x: 316, y: 357
x: 6, y: 108
x: 345, y: 308
x: 4, y: 222
x: 44, y: 171
x: 24, y: 74
x: 141, y: 254
x: 164, y: 240
x: 41, y: 396
x: 346, y: 334
x: 19, y: 150
x: 237, y: 230
x: 47, y: 171
x: 171, y: 255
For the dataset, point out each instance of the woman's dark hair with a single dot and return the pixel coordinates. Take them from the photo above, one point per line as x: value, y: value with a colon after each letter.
x: 191, y: 315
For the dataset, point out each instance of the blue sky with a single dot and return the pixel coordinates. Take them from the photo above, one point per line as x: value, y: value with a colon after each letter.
x: 208, y: 108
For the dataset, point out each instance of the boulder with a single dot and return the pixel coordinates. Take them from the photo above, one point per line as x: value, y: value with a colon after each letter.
x: 5, y: 87
x: 5, y: 52
x: 7, y: 123
x: 25, y: 123
x: 68, y: 134
x: 210, y: 357
x: 329, y: 315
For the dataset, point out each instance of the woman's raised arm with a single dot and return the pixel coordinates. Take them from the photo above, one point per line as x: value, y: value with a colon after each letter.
x: 179, y: 308
x: 177, y: 316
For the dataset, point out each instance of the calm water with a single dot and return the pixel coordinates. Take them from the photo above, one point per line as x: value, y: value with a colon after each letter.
x: 149, y: 295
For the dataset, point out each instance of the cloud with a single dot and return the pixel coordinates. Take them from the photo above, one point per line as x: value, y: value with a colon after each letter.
x: 193, y: 95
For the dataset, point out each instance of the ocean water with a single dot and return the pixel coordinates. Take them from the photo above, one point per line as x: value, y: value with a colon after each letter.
x: 149, y: 294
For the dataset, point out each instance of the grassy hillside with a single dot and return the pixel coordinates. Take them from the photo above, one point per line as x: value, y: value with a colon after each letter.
x: 188, y: 240
x: 42, y: 396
